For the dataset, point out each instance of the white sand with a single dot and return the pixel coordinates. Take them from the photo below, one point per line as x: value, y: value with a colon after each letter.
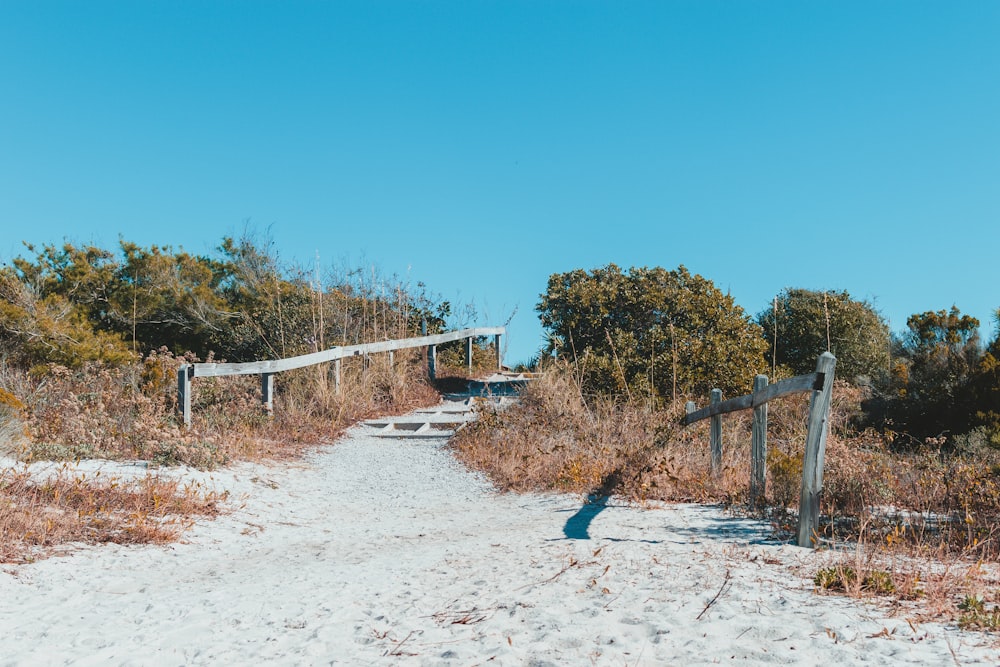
x: 387, y: 552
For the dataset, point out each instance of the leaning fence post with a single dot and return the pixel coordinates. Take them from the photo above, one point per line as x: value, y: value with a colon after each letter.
x: 184, y: 375
x: 812, y: 462
x: 468, y: 352
x: 758, y: 446
x: 715, y: 433
x: 432, y: 361
x: 267, y: 392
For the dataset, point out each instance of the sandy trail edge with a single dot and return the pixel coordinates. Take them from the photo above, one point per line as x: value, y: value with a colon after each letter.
x: 386, y: 552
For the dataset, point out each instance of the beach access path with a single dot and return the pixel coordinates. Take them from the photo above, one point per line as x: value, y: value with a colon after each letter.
x: 377, y: 551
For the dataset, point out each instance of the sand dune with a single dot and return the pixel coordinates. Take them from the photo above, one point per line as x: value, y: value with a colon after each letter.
x: 378, y: 551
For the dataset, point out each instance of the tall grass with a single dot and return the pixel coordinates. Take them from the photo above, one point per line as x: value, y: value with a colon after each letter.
x: 130, y: 412
x: 557, y: 438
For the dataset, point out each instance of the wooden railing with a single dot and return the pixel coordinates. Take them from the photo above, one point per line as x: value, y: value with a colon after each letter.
x: 820, y: 384
x: 267, y: 369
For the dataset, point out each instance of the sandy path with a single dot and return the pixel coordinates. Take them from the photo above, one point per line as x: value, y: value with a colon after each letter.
x: 386, y: 552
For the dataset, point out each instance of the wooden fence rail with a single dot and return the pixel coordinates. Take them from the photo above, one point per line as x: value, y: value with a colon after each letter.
x: 266, y: 369
x: 820, y: 384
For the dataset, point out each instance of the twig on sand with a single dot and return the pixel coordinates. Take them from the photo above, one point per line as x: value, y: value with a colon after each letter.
x: 572, y: 563
x: 396, y: 651
x: 722, y: 589
x: 954, y: 656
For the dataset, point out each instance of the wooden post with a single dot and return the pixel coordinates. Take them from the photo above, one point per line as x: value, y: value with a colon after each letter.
x: 499, y: 351
x: 812, y: 463
x: 267, y: 392
x: 392, y: 359
x: 432, y: 361
x: 468, y: 353
x: 715, y: 433
x: 758, y: 447
x: 184, y: 375
x: 690, y: 407
x: 336, y: 375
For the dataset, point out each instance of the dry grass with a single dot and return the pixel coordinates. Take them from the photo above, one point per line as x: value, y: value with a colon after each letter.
x: 130, y: 412
x: 918, y: 527
x: 557, y: 439
x: 36, y: 515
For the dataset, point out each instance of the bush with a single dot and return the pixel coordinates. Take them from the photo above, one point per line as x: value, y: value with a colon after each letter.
x: 650, y: 332
x: 811, y: 322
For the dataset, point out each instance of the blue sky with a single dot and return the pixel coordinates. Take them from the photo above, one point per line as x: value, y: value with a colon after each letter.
x: 479, y: 147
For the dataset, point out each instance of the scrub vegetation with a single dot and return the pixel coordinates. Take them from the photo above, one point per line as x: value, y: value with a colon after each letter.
x: 91, y: 341
x: 912, y: 475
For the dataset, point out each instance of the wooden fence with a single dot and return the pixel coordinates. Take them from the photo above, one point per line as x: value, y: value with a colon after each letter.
x: 267, y: 369
x: 820, y: 384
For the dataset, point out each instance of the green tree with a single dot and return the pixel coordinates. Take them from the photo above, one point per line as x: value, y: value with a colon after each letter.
x: 934, y: 393
x: 649, y: 330
x: 942, y: 349
x: 53, y: 309
x: 810, y: 322
x: 69, y: 305
x: 985, y: 388
x: 166, y: 297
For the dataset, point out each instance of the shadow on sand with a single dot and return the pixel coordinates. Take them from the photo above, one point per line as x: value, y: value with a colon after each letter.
x: 578, y: 526
x: 707, y: 525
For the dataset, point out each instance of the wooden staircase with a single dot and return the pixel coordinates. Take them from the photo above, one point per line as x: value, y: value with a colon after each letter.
x: 457, y: 410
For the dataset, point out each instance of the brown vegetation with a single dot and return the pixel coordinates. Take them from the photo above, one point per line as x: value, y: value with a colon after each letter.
x: 920, y: 523
x: 129, y: 411
x: 37, y: 515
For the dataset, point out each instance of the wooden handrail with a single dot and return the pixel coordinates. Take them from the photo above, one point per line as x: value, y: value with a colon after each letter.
x: 795, y: 385
x: 266, y: 369
x: 340, y: 352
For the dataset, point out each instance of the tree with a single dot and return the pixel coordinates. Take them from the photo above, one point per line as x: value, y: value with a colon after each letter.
x: 51, y: 310
x: 651, y: 331
x: 942, y: 349
x: 985, y: 388
x: 941, y: 353
x: 70, y: 305
x: 166, y: 297
x: 811, y: 322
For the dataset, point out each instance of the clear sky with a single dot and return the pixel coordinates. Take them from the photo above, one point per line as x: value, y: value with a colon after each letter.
x: 481, y: 146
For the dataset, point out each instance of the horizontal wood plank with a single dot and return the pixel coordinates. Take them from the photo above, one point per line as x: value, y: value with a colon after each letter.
x: 342, y: 352
x: 797, y: 384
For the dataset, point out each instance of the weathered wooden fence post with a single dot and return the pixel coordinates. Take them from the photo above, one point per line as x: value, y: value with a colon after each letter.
x: 499, y: 351
x: 336, y: 375
x: 812, y: 462
x: 184, y: 375
x: 690, y: 407
x: 267, y: 392
x: 468, y: 353
x: 715, y: 433
x: 432, y: 361
x: 758, y: 446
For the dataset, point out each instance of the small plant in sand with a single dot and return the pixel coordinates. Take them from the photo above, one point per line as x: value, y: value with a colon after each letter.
x: 976, y: 614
